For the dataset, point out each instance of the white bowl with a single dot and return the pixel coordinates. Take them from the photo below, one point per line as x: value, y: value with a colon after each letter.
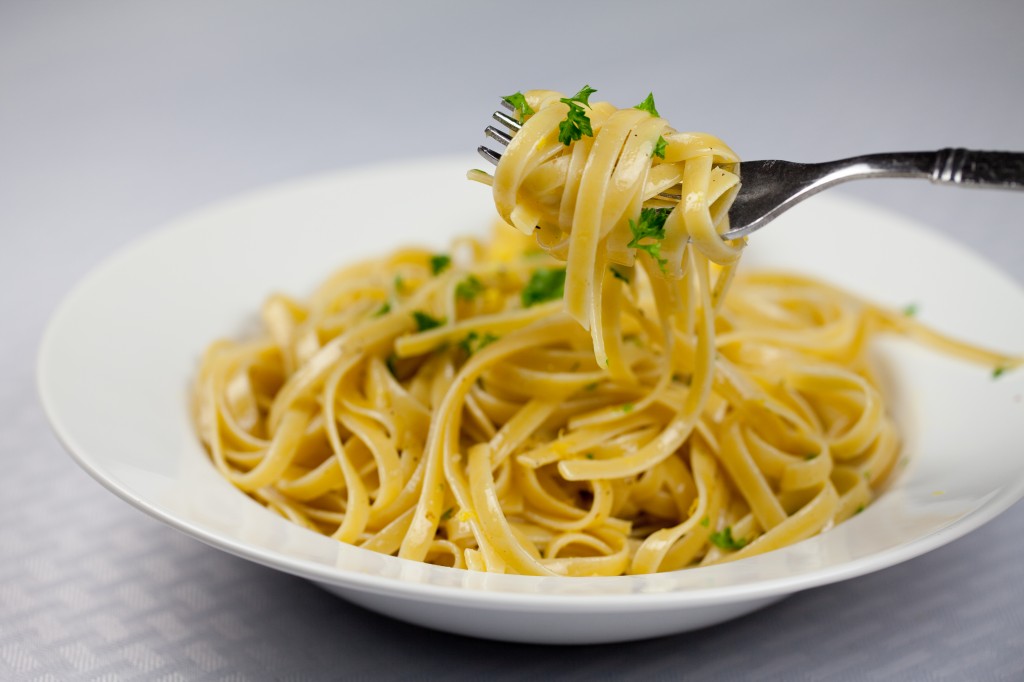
x: 120, y: 354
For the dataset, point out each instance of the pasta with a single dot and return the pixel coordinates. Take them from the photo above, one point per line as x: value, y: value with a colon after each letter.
x: 585, y: 400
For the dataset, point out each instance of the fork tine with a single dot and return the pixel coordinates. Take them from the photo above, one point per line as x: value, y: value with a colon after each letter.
x: 508, y: 105
x: 499, y: 136
x: 507, y: 121
x: 492, y: 156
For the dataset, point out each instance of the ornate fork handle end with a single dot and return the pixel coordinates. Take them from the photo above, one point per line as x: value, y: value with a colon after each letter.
x: 977, y: 168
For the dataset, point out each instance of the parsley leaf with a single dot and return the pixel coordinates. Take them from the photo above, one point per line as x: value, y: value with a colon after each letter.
x: 725, y: 540
x: 522, y: 107
x: 659, y: 147
x: 998, y: 372
x: 576, y: 123
x: 910, y: 310
x: 469, y: 288
x: 583, y: 96
x: 383, y: 310
x: 439, y: 263
x: 546, y: 284
x: 589, y: 455
x: 448, y: 513
x: 705, y: 522
x: 648, y: 105
x: 425, y: 321
x: 474, y: 342
x: 651, y: 225
x: 619, y: 275
x: 627, y: 407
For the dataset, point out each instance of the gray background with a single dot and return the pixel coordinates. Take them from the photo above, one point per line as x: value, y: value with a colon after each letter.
x: 116, y: 116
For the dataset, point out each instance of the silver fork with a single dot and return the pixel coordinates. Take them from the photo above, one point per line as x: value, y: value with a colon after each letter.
x: 768, y: 188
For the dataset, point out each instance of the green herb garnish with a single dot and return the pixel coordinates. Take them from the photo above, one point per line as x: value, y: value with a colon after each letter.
x: 439, y: 263
x: 447, y: 514
x: 628, y: 407
x: 522, y: 107
x: 383, y: 310
x: 474, y: 342
x: 425, y: 321
x: 619, y: 275
x: 650, y: 227
x: 998, y: 372
x: 576, y: 123
x: 705, y: 522
x: 810, y: 455
x: 910, y: 310
x: 648, y: 105
x: 589, y: 455
x: 725, y: 540
x: 546, y: 284
x: 659, y: 147
x: 469, y: 288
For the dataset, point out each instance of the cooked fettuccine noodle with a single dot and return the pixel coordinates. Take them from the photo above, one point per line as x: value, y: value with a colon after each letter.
x: 457, y: 409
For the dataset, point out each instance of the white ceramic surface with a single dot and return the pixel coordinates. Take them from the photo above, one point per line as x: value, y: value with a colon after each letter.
x: 120, y: 353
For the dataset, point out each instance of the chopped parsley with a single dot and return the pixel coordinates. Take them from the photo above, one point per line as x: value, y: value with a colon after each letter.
x: 469, y: 288
x: 911, y: 310
x: 705, y: 522
x: 590, y: 387
x: 810, y: 455
x: 474, y: 342
x: 447, y: 514
x: 522, y: 107
x: 998, y: 372
x: 383, y: 310
x: 399, y: 283
x: 859, y: 510
x: 725, y: 540
x: 439, y: 263
x: 425, y: 321
x: 390, y: 362
x: 648, y: 105
x: 589, y: 455
x: 659, y: 147
x: 546, y: 284
x: 628, y: 407
x: 619, y: 275
x: 650, y: 227
x: 576, y: 123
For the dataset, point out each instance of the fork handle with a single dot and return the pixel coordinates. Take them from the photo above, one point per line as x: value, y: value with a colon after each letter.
x: 950, y: 166
x: 975, y: 168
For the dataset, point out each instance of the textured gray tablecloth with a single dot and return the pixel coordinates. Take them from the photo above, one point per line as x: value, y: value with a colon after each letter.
x: 116, y: 116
